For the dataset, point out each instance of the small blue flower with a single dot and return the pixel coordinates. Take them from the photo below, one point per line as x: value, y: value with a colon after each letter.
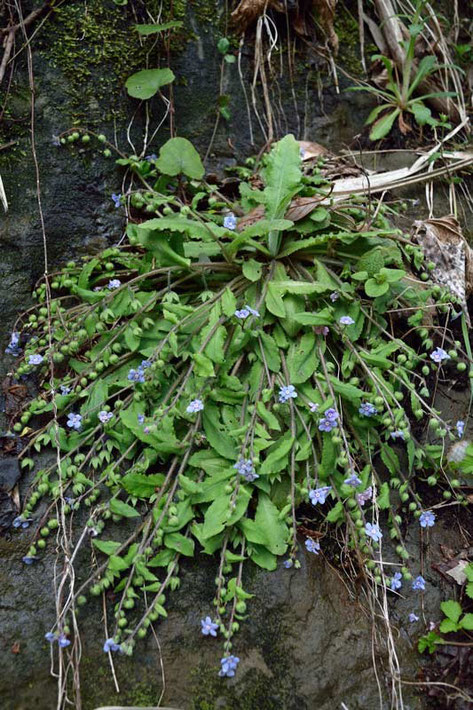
x: 29, y: 560
x: 20, y: 522
x: 331, y: 414
x: 460, y: 426
x: 346, y: 320
x: 312, y: 546
x: 319, y: 495
x: 246, y: 469
x: 13, y: 346
x: 413, y: 618
x: 373, y: 532
x: 427, y: 519
x: 353, y: 480
x: 117, y: 199
x: 365, y: 496
x: 286, y: 393
x: 145, y: 364
x: 334, y: 296
x: 110, y: 645
x: 313, y: 406
x: 398, y: 434
x: 418, y: 584
x: 396, y: 581
x: 195, y: 406
x: 50, y: 637
x: 367, y: 409
x: 56, y: 141
x: 141, y: 418
x: 253, y: 311
x: 35, y: 359
x: 74, y: 421
x: 230, y: 222
x: 105, y: 416
x: 151, y: 157
x: 242, y: 314
x: 146, y: 430
x: 438, y: 355
x: 113, y: 284
x: 63, y: 641
x: 209, y: 627
x: 327, y: 424
x: 136, y: 375
x: 65, y: 390
x: 229, y: 665
x: 288, y: 564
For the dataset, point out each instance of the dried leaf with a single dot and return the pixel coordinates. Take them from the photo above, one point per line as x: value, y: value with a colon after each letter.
x: 248, y: 11
x: 457, y: 572
x: 325, y: 10
x: 310, y: 150
x: 251, y: 218
x: 300, y: 207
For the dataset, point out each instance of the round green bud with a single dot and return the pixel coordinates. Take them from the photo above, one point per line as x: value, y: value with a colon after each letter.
x: 107, y: 153
x: 53, y: 524
x: 122, y: 623
x: 447, y: 495
x: 44, y: 532
x: 461, y: 366
x: 455, y: 483
x: 41, y: 544
x: 101, y: 138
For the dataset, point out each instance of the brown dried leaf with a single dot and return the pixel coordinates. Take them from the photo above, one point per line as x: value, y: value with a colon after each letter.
x: 16, y: 647
x: 255, y: 215
x: 310, y: 150
x: 300, y: 207
x: 248, y: 11
x: 325, y: 10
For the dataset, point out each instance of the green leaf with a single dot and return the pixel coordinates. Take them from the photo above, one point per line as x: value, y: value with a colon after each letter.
x: 337, y: 513
x: 263, y: 557
x: 163, y: 558
x: 216, y: 516
x: 216, y: 435
x: 383, y: 125
x: 349, y: 392
x: 448, y: 626
x: 208, y: 461
x: 203, y: 366
x: 282, y: 176
x: 268, y: 417
x: 373, y: 289
x: 120, y: 508
x: 141, y: 485
x: 322, y: 317
x: 451, y: 609
x: 215, y: 349
x: 229, y: 303
x: 466, y: 622
x: 383, y: 496
x: 273, y: 300
x: 302, y: 360
x: 147, y: 82
x: 108, y: 547
x: 180, y: 543
x: 271, y: 352
x: 154, y: 29
x: 266, y: 528
x: 390, y: 459
x: 167, y: 249
x: 178, y: 156
x: 469, y: 572
x: 117, y: 564
x: 278, y: 457
x: 252, y: 270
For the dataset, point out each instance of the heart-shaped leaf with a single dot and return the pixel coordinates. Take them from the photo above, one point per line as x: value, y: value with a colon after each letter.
x: 178, y: 156
x: 146, y: 83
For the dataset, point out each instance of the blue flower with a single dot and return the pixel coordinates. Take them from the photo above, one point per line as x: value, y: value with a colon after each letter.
x: 20, y: 522
x: 331, y: 414
x: 242, y: 314
x: 136, y: 375
x: 252, y: 311
x: 246, y: 469
x: 313, y: 406
x: 151, y: 157
x: 195, y: 406
x: 145, y: 364
x: 50, y: 637
x: 288, y: 564
x: 117, y: 199
x: 346, y: 320
x: 353, y: 480
x: 334, y: 296
x: 35, y: 359
x: 438, y: 355
x: 396, y: 581
x: 105, y: 416
x: 56, y: 141
x: 460, y: 425
x: 13, y: 346
x: 373, y: 532
x: 365, y: 496
x: 229, y: 665
x: 413, y: 618
x: 28, y: 560
x: 319, y: 495
x: 113, y: 284
x: 327, y: 424
x: 286, y: 393
x: 141, y: 418
x: 398, y: 434
x: 427, y: 519
x: 63, y: 641
x: 209, y: 627
x: 65, y: 390
x: 367, y: 409
x: 74, y: 421
x: 110, y: 645
x: 230, y: 221
x: 312, y: 546
x: 418, y: 584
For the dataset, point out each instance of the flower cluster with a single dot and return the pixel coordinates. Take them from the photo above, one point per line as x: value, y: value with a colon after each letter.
x: 287, y: 393
x: 111, y: 645
x: 329, y: 420
x: 353, y: 480
x: 20, y: 522
x: 365, y: 496
x: 228, y: 666
x: 62, y: 640
x: 246, y: 469
x: 319, y: 495
x: 138, y: 375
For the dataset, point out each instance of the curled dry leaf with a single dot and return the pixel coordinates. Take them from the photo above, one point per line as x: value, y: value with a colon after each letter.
x: 248, y: 11
x: 310, y: 150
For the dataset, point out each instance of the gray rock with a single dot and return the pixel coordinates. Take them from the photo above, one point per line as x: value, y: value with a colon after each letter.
x: 9, y: 473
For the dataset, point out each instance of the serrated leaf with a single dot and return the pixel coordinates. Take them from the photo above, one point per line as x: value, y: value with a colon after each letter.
x: 273, y: 300
x: 216, y: 434
x: 336, y: 514
x: 228, y: 303
x: 451, y: 609
x: 383, y: 497
x: 117, y: 564
x: 383, y: 125
x: 282, y: 176
x: 466, y: 622
x: 447, y: 626
x: 302, y: 360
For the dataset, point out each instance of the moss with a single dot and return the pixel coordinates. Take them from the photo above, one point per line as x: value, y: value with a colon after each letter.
x: 347, y: 29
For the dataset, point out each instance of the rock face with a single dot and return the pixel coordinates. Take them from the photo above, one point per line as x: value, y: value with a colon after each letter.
x: 308, y: 641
